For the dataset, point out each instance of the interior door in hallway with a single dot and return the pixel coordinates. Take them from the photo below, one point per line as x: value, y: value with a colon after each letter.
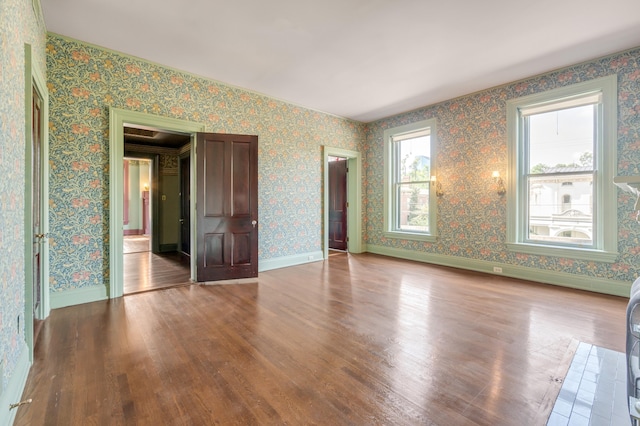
x: 338, y: 204
x: 185, y: 205
x: 226, y: 206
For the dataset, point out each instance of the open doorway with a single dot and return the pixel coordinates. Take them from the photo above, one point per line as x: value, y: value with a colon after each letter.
x: 119, y: 119
x: 338, y: 169
x: 352, y: 199
x: 151, y: 213
x: 137, y: 205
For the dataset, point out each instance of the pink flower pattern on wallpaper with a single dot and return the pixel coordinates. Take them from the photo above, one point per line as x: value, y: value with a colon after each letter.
x: 84, y: 81
x: 472, y: 142
x: 18, y: 26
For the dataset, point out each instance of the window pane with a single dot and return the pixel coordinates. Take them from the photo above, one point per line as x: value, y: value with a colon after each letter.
x: 410, y: 211
x: 414, y: 207
x: 415, y: 159
x: 561, y: 141
x: 569, y: 134
x: 559, y: 212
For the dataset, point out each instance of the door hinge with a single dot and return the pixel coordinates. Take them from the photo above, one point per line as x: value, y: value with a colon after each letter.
x: 347, y: 170
x: 347, y: 204
x: 347, y: 240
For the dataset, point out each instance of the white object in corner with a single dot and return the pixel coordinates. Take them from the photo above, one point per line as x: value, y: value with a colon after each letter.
x: 634, y: 408
x: 628, y: 183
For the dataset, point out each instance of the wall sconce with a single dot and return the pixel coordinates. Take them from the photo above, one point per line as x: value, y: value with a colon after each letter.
x: 439, y: 191
x: 499, y: 182
x: 146, y: 186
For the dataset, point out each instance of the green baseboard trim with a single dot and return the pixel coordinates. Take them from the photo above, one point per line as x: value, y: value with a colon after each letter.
x: 78, y: 296
x: 284, y: 261
x: 13, y: 393
x: 563, y: 279
x: 167, y: 248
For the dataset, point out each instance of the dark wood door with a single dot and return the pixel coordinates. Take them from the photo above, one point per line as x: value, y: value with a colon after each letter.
x: 226, y: 206
x: 185, y: 206
x: 338, y: 205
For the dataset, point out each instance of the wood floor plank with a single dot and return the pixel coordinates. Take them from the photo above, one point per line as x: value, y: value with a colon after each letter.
x: 145, y: 271
x: 357, y: 340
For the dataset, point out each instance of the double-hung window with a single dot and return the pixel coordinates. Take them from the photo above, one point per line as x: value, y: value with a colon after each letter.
x: 410, y: 203
x: 562, y: 159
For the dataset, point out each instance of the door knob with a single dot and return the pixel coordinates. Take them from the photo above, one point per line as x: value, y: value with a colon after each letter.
x: 254, y: 223
x: 39, y: 236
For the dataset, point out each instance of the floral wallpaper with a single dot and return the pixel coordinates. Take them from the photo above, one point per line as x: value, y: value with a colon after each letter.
x: 84, y: 81
x: 169, y: 165
x: 472, y: 142
x: 18, y: 25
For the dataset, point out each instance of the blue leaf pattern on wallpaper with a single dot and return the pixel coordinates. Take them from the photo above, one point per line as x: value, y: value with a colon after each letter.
x: 472, y: 142
x: 84, y: 81
x: 18, y: 26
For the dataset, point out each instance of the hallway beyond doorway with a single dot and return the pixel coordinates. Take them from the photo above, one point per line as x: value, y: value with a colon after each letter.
x: 135, y: 243
x: 145, y: 271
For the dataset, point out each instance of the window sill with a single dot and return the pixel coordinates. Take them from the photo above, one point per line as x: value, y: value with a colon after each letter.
x: 571, y: 253
x: 410, y: 236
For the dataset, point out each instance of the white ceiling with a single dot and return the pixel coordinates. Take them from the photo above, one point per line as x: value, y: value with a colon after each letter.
x: 361, y: 59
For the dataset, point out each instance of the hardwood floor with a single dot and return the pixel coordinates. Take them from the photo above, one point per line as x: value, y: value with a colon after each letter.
x: 357, y: 339
x: 144, y: 271
x: 135, y: 243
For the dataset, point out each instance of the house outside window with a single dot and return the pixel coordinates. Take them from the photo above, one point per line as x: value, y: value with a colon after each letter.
x: 562, y: 159
x: 410, y: 202
x: 566, y: 202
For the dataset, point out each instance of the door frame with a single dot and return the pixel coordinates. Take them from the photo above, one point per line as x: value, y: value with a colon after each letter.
x: 118, y: 118
x: 35, y: 80
x: 354, y: 198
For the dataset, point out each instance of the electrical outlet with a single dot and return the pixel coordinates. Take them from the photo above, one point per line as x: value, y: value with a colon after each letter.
x: 310, y: 257
x: 497, y: 269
